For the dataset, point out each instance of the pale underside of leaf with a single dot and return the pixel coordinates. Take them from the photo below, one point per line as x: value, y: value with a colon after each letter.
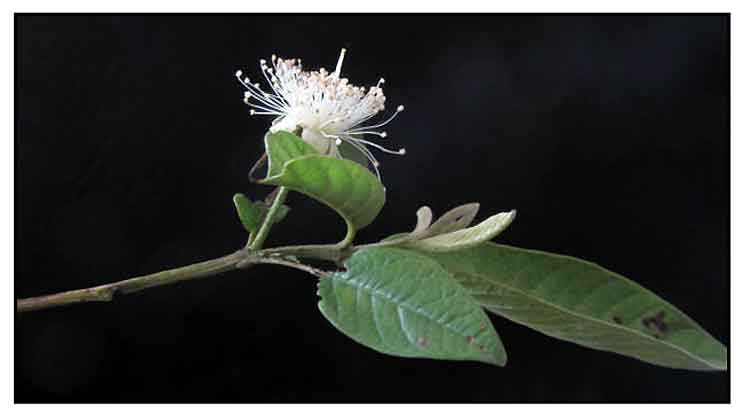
x: 424, y: 217
x: 581, y: 302
x: 468, y: 237
x: 458, y: 218
x: 401, y: 303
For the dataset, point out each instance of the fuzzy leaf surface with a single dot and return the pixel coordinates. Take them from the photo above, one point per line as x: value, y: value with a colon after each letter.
x: 467, y: 237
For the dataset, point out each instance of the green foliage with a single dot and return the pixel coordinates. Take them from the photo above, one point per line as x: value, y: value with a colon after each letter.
x: 350, y: 152
x: 347, y: 187
x: 282, y: 147
x: 248, y: 212
x: 251, y: 214
x: 581, y: 302
x: 402, y: 303
x: 421, y: 294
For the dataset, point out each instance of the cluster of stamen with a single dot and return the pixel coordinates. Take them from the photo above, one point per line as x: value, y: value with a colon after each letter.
x: 320, y: 101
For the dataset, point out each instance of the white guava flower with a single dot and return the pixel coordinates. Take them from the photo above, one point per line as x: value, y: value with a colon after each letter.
x: 329, y: 109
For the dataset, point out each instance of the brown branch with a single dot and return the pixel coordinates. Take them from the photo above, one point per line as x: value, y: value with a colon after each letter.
x: 107, y: 292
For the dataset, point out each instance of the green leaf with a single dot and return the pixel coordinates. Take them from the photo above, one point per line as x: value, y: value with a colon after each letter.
x: 280, y: 215
x: 402, y: 303
x: 581, y: 302
x: 465, y: 238
x: 352, y: 153
x: 251, y: 214
x: 354, y: 192
x: 283, y: 146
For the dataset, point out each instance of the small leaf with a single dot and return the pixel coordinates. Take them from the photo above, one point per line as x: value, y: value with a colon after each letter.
x: 250, y: 214
x: 458, y: 218
x: 402, y: 303
x: 425, y: 216
x: 468, y: 237
x: 280, y: 215
x: 581, y: 302
x: 354, y: 192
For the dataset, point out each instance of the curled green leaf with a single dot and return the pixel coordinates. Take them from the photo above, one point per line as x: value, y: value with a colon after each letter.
x: 345, y: 186
x: 283, y: 146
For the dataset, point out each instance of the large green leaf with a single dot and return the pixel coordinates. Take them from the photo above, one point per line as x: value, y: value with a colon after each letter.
x: 352, y: 190
x: 404, y: 304
x: 581, y: 302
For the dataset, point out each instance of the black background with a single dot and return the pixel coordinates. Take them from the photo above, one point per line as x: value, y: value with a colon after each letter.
x: 609, y: 134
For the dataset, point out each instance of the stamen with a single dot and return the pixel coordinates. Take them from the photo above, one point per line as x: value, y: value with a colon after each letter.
x: 377, y: 146
x: 338, y: 66
x: 321, y: 101
x: 400, y: 109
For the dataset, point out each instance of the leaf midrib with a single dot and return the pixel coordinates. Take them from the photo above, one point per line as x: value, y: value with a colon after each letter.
x: 590, y: 318
x: 381, y: 295
x: 352, y: 216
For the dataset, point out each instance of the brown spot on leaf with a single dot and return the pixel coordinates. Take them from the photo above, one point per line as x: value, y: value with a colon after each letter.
x: 483, y: 348
x: 422, y: 342
x: 656, y: 323
x: 470, y: 339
